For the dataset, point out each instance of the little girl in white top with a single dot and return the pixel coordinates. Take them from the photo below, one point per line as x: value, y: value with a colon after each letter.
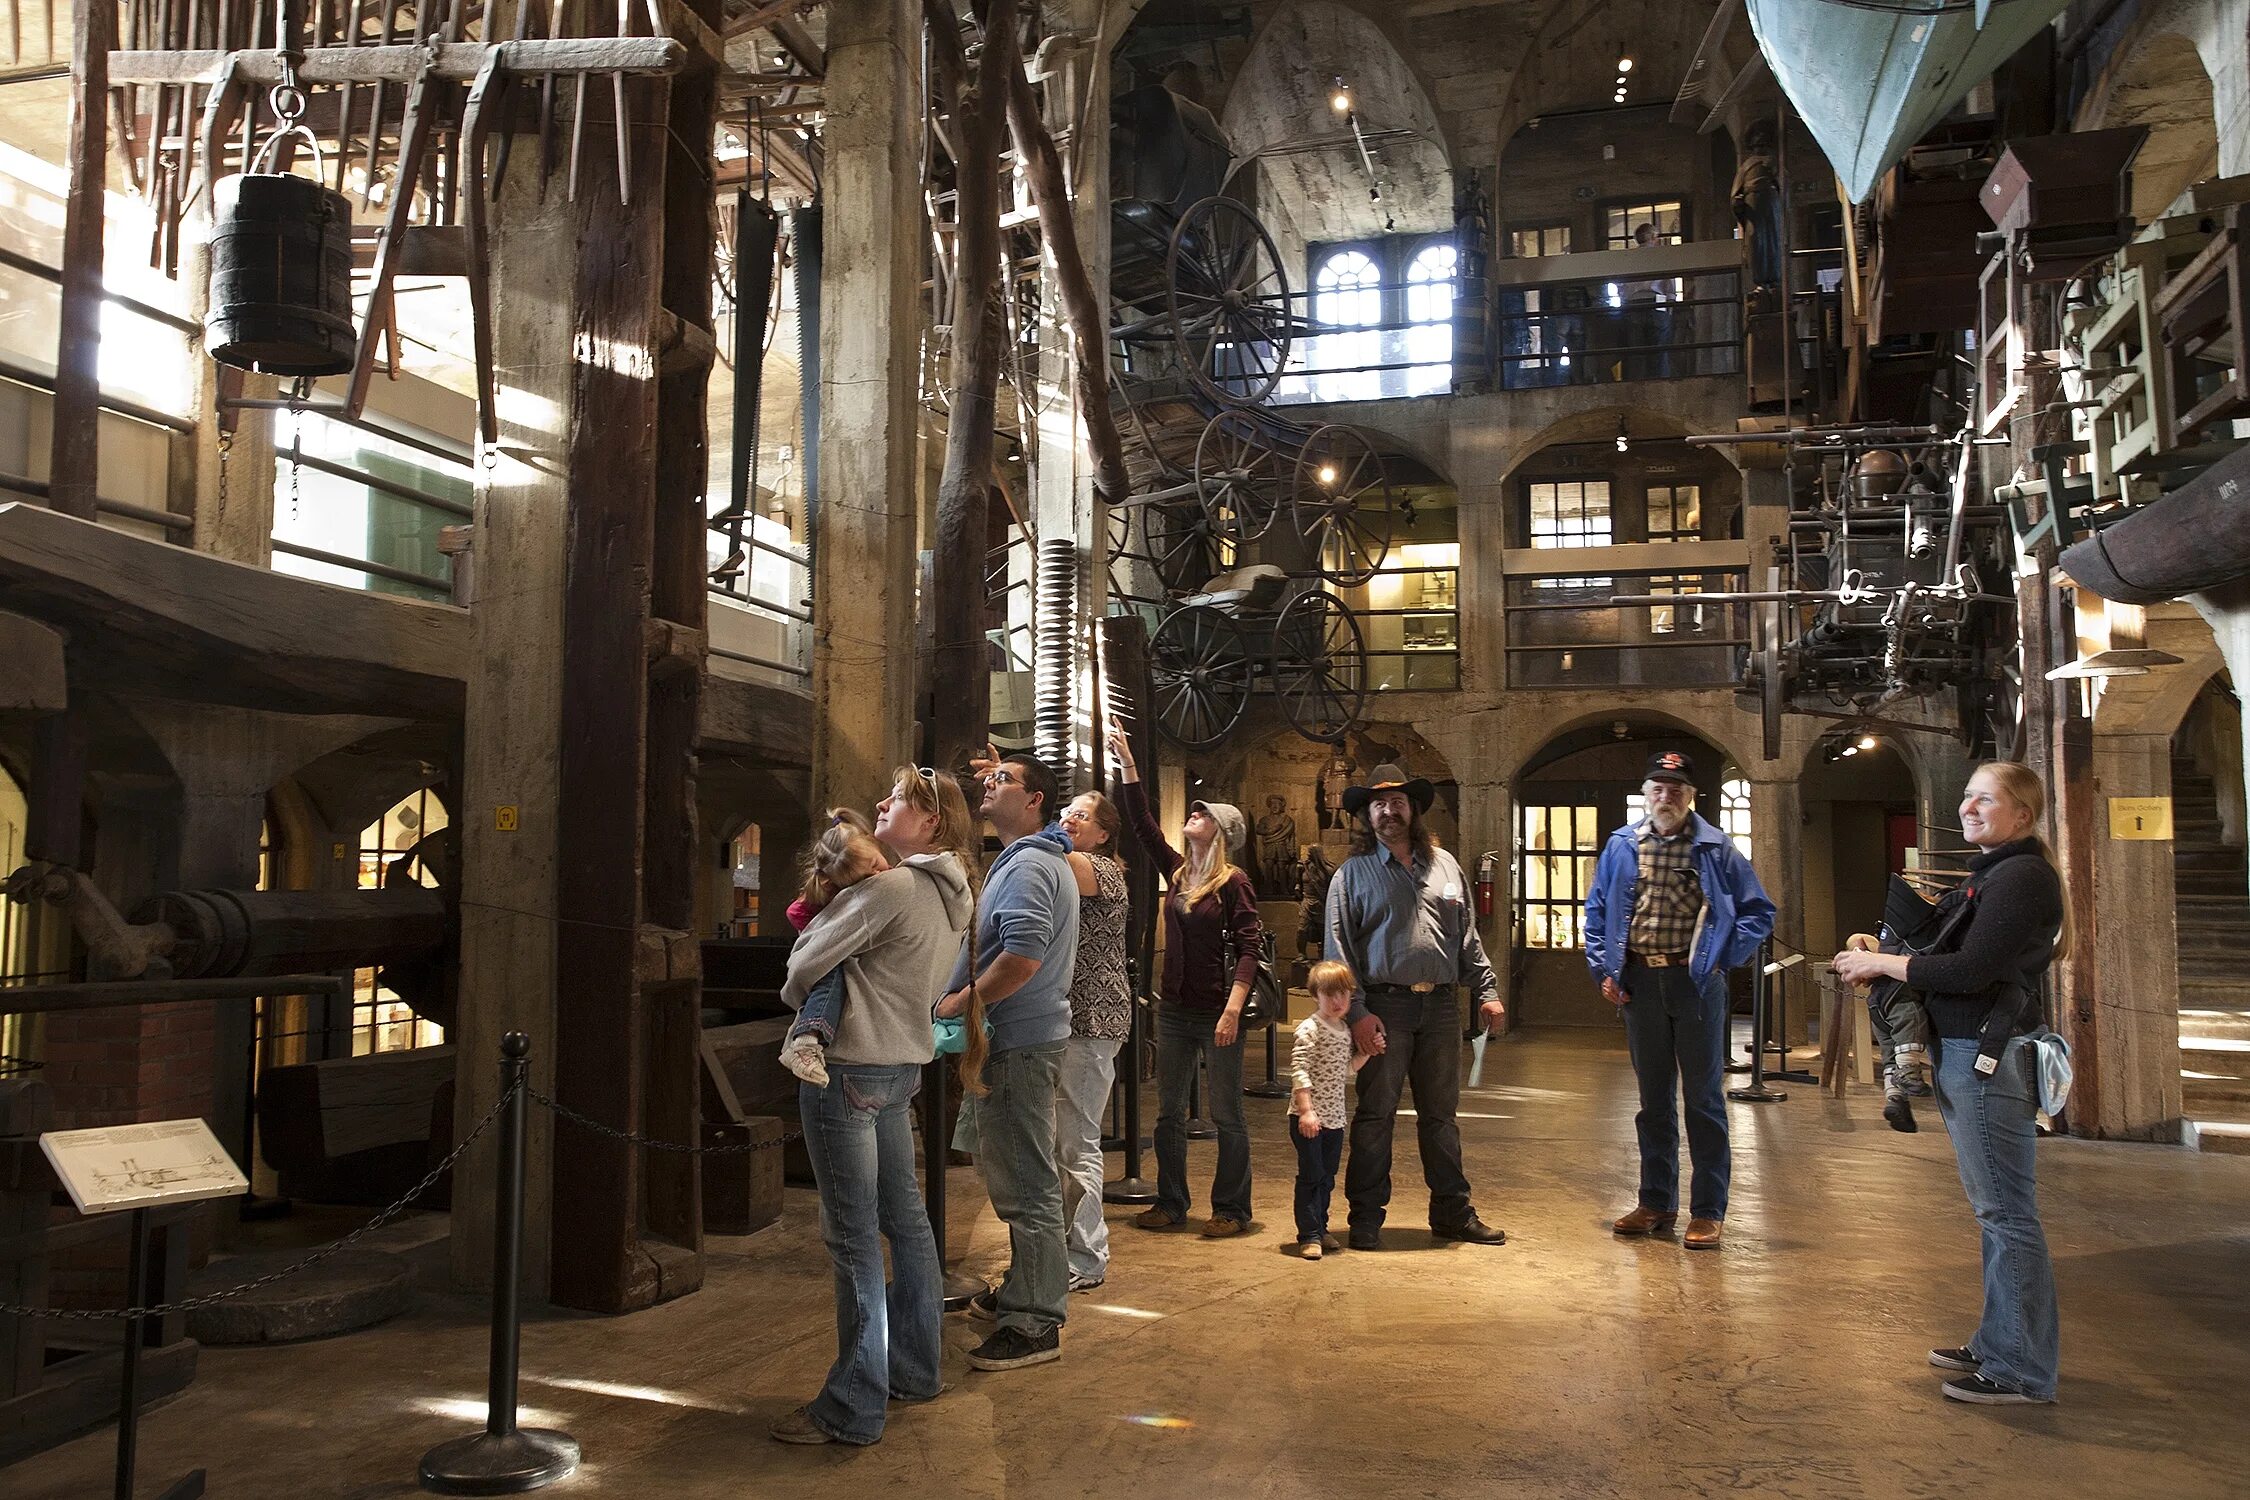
x: 1318, y: 1066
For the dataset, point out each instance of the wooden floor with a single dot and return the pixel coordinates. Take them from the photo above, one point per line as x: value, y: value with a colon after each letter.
x: 1566, y: 1363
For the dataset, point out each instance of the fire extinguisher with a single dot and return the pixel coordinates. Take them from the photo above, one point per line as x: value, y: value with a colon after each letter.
x: 1488, y: 864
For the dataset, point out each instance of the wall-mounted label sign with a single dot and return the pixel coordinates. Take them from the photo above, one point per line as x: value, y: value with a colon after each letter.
x: 504, y: 818
x: 2140, y: 817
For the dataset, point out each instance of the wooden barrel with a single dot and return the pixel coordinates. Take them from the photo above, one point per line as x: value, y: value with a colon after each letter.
x: 281, y: 277
x: 2196, y: 538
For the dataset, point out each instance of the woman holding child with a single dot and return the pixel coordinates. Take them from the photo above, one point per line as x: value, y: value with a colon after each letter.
x: 1209, y: 910
x: 1987, y: 985
x: 893, y: 935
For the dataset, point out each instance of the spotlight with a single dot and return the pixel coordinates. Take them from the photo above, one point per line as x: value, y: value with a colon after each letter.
x: 1624, y: 65
x: 1341, y: 103
x: 1847, y: 752
x: 1624, y: 440
x: 1867, y: 742
x: 1327, y: 473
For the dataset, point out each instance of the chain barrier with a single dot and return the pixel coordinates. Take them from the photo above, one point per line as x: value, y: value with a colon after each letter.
x: 212, y: 1299
x: 634, y: 1138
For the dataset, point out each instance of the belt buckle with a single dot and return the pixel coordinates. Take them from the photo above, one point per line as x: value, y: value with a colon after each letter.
x: 1421, y: 989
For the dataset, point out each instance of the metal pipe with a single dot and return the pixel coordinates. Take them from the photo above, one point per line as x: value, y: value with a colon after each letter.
x: 387, y: 486
x: 362, y: 565
x: 758, y: 661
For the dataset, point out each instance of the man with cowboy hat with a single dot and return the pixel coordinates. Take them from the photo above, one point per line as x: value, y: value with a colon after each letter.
x: 1673, y: 906
x: 1399, y: 916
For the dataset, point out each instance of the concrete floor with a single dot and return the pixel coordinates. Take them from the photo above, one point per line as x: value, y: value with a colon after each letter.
x: 1564, y: 1364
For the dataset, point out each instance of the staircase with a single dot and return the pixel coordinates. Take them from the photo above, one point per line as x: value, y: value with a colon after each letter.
x: 2214, y: 917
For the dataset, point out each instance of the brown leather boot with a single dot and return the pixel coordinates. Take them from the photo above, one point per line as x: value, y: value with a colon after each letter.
x: 1645, y: 1221
x: 1703, y: 1234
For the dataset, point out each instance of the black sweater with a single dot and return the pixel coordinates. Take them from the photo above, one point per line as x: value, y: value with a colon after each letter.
x: 2016, y: 910
x: 1196, y: 976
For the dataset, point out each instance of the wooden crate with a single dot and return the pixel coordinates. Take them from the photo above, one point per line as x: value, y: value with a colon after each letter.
x: 2201, y: 322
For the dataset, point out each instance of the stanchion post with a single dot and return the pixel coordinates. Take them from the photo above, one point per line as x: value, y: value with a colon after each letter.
x: 504, y: 1459
x: 1757, y: 1091
x: 1131, y: 1188
x: 190, y: 1485
x: 935, y: 1148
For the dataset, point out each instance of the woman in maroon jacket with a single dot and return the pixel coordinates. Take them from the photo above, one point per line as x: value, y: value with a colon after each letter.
x: 1210, y: 916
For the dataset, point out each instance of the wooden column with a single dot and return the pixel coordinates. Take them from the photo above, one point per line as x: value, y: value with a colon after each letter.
x: 871, y: 317
x: 73, y: 470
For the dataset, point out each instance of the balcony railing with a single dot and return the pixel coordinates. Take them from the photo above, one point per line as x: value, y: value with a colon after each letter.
x: 1666, y: 312
x: 1564, y: 631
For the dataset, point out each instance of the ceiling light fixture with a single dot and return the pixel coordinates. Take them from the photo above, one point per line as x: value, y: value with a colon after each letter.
x: 1867, y: 742
x: 1624, y: 65
x: 1624, y: 439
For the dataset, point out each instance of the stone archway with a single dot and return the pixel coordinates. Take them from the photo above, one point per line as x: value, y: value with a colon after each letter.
x: 2162, y: 85
x: 1566, y: 797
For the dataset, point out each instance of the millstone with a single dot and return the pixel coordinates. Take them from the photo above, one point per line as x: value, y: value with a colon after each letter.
x: 350, y: 1290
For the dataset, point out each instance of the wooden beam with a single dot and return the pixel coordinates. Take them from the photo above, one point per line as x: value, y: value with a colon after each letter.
x: 453, y: 62
x: 184, y: 624
x: 74, y: 464
x: 961, y: 685
x: 1089, y: 324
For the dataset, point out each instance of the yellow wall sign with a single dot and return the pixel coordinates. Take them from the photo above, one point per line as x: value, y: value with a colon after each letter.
x: 504, y: 818
x: 2140, y: 817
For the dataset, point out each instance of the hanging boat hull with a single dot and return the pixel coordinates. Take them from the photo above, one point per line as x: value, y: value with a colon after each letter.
x: 2195, y: 538
x: 1870, y: 83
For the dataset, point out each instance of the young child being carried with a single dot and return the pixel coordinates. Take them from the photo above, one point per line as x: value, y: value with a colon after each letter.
x: 846, y: 853
x: 1318, y: 1066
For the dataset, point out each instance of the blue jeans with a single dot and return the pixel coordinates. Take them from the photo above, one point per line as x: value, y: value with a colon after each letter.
x: 859, y: 1133
x: 1016, y: 1150
x: 1317, y: 1160
x: 823, y: 1004
x: 1674, y: 1029
x: 1181, y: 1036
x: 2019, y: 1341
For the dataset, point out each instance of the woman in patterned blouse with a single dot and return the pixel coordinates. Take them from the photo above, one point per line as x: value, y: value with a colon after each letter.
x: 1101, y: 1015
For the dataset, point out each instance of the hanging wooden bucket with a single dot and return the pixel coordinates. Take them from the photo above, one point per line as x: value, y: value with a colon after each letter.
x: 281, y: 277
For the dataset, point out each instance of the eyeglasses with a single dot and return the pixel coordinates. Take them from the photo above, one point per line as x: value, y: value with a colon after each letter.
x: 1002, y: 778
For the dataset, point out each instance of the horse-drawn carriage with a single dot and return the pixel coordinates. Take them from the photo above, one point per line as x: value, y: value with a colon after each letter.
x: 1204, y: 321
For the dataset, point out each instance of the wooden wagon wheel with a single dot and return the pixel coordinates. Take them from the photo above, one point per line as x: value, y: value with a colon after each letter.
x: 1239, y: 478
x: 1228, y: 297
x: 1199, y: 675
x: 1767, y: 618
x: 1117, y: 527
x: 1320, y: 666
x: 1343, y: 504
x: 1185, y: 544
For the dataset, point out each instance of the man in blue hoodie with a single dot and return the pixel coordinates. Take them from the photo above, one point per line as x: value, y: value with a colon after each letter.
x: 1674, y: 905
x: 1026, y: 946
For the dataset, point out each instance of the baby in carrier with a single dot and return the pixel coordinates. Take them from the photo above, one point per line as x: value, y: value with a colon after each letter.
x: 844, y: 855
x: 1915, y: 926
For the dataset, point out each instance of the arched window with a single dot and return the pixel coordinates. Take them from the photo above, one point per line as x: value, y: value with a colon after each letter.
x: 1734, y: 812
x: 1347, y: 293
x: 1429, y: 308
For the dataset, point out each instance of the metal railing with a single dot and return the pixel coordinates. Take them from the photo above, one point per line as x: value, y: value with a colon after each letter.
x: 1564, y: 631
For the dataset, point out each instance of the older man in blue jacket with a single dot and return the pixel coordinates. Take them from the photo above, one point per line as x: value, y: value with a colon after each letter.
x: 1674, y: 905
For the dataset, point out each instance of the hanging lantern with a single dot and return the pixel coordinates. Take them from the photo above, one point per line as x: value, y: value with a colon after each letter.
x: 281, y: 263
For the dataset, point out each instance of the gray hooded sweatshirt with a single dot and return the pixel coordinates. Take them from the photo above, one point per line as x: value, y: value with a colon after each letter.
x: 896, y: 935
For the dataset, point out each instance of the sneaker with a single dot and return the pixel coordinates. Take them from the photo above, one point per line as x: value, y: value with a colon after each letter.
x: 1156, y: 1218
x: 1898, y: 1103
x: 804, y: 1056
x: 799, y: 1427
x: 1308, y: 1249
x: 1012, y: 1349
x: 985, y: 1305
x: 1366, y: 1237
x: 1079, y: 1283
x: 1955, y: 1359
x: 1979, y: 1391
x: 1218, y: 1227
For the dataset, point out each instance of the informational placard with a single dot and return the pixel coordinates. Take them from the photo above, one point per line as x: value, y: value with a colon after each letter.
x: 2140, y: 817
x: 116, y: 1167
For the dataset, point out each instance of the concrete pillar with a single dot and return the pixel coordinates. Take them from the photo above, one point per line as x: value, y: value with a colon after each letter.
x: 870, y: 329
x: 510, y: 796
x: 2227, y: 611
x: 2136, y: 949
x: 1777, y: 852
